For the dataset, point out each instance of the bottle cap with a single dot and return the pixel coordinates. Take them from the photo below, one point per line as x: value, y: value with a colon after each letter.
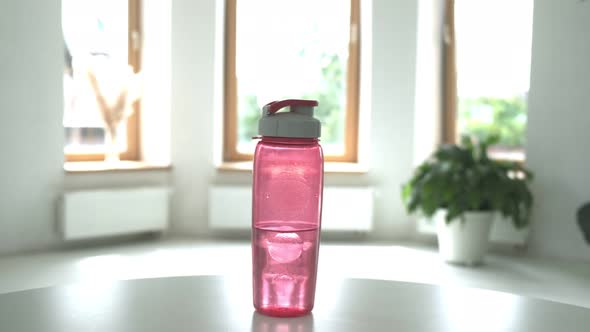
x: 298, y: 122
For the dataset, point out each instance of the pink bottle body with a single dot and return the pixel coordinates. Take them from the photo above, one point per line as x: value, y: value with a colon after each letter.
x: 286, y: 220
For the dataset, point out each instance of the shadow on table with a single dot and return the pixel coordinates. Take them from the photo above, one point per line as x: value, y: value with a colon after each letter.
x: 262, y: 323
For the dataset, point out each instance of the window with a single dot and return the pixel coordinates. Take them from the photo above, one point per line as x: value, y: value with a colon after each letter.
x: 101, y: 37
x: 493, y: 53
x: 292, y: 49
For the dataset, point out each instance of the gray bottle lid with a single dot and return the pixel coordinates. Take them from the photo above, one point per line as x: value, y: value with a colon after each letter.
x: 298, y: 122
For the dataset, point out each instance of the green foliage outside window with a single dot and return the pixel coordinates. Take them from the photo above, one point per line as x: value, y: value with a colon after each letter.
x: 331, y: 110
x: 249, y: 113
x: 332, y: 99
x: 487, y: 116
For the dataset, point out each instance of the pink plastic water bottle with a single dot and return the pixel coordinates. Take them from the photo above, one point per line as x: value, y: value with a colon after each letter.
x: 286, y: 209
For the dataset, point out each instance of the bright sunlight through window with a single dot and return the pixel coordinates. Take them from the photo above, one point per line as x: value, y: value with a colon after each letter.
x: 493, y: 67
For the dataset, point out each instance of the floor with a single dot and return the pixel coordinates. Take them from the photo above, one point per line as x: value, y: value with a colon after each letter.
x: 539, y: 278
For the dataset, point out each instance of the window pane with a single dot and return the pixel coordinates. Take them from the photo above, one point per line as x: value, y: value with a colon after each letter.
x: 292, y: 49
x: 96, y: 36
x: 493, y: 66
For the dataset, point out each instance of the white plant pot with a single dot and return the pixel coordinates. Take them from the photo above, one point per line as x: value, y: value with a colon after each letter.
x: 463, y: 240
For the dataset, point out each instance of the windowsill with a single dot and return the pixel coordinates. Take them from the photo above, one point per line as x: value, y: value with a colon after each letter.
x: 329, y: 167
x: 101, y: 166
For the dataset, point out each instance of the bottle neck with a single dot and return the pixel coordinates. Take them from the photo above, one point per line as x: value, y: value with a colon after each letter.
x: 290, y: 140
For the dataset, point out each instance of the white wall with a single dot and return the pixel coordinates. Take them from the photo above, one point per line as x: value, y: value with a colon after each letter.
x: 196, y: 112
x: 31, y: 134
x: 193, y: 66
x: 392, y: 123
x: 428, y: 94
x: 559, y: 126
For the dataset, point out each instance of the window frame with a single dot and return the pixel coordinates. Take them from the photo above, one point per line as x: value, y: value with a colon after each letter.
x: 230, y: 119
x: 449, y: 72
x: 133, y: 122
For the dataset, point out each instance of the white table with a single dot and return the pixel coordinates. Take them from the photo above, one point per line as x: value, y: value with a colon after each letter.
x: 220, y: 304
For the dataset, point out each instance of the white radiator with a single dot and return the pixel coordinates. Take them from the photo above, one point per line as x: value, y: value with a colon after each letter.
x: 503, y: 232
x: 344, y: 208
x: 87, y: 214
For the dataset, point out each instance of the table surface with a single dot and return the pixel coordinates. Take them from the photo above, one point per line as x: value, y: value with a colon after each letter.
x: 208, y: 303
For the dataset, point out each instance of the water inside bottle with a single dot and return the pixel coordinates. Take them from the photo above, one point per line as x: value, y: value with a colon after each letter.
x: 285, y: 262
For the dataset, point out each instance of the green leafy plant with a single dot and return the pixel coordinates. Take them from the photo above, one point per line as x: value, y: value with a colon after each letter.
x: 462, y: 178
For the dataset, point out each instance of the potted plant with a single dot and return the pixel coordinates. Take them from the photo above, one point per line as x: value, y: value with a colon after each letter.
x: 461, y: 188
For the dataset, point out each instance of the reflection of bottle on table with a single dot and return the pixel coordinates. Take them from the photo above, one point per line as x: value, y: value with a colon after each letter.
x: 286, y: 211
